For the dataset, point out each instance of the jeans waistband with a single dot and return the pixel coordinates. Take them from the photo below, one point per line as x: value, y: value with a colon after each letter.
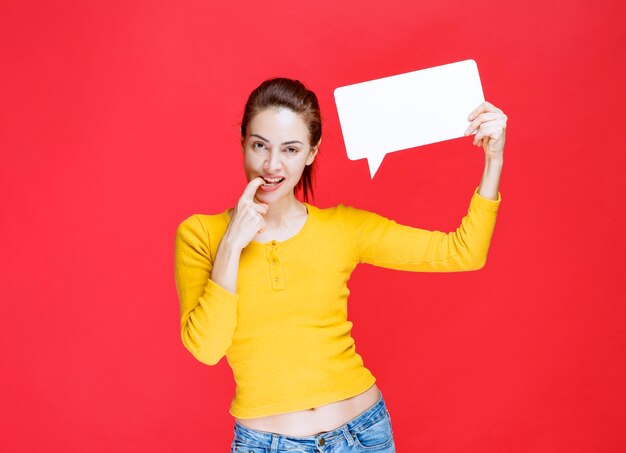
x: 327, y: 438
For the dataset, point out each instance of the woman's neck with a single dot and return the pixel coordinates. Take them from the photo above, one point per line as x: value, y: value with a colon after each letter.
x: 283, y: 211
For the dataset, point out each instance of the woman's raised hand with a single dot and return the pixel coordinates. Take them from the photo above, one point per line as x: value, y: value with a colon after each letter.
x: 488, y: 122
x: 247, y: 219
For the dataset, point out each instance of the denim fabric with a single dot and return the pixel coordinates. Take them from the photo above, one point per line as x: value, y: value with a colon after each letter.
x: 369, y: 431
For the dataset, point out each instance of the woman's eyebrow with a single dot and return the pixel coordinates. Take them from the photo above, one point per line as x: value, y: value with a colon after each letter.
x: 284, y: 143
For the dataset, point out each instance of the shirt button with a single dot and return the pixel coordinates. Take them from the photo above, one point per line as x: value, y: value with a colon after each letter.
x: 276, y: 279
x: 275, y: 262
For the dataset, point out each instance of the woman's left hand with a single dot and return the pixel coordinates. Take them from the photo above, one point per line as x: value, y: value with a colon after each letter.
x: 488, y: 122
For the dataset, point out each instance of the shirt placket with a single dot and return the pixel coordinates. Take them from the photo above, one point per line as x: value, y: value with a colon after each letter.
x: 274, y: 257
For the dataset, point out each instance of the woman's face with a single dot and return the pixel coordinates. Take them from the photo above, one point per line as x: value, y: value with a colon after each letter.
x: 276, y: 147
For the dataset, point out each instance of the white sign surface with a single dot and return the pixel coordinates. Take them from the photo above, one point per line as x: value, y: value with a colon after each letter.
x: 407, y: 110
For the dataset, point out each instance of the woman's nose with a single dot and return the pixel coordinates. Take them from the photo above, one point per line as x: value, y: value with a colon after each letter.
x: 272, y: 163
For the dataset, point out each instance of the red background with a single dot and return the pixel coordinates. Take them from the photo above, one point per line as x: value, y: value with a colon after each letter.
x: 119, y: 119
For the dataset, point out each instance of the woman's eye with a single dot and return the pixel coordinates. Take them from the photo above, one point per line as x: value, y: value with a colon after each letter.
x: 292, y: 150
x: 254, y: 145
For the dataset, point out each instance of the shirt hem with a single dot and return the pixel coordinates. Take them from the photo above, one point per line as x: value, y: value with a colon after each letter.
x: 320, y: 400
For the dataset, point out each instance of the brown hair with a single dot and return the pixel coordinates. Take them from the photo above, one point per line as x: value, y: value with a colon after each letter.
x: 291, y: 94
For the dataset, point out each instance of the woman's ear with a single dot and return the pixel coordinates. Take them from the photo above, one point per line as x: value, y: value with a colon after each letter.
x: 313, y: 152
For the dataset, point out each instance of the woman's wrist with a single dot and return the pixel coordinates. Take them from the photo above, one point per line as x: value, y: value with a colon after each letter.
x: 494, y: 160
x: 229, y: 244
x: 490, y: 182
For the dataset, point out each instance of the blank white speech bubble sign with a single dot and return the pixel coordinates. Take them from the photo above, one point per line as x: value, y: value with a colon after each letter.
x: 407, y: 110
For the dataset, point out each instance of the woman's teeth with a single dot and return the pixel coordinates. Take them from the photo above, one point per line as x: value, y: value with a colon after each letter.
x: 272, y: 181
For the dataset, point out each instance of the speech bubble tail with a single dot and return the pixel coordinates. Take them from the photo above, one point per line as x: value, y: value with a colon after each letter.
x: 374, y: 163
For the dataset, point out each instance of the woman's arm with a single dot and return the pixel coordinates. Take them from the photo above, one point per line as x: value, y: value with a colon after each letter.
x: 246, y: 221
x: 207, y: 286
x: 385, y: 243
x: 226, y: 265
x: 490, y: 182
x: 208, y: 311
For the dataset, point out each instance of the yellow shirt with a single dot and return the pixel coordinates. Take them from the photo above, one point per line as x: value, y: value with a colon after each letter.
x: 285, y: 333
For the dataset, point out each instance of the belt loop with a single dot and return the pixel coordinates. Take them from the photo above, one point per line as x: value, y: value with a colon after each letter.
x: 348, y: 435
x: 274, y: 447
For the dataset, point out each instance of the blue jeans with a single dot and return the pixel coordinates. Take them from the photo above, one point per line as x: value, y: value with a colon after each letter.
x: 368, y: 431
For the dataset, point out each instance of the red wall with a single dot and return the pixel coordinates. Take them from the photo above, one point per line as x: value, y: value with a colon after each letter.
x: 119, y: 119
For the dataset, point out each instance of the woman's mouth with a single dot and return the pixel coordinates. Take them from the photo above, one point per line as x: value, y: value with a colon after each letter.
x: 271, y: 184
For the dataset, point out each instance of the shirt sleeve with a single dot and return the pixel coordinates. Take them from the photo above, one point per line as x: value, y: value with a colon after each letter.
x: 208, y: 312
x: 383, y: 242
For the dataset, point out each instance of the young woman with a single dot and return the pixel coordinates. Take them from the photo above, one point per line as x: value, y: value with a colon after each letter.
x: 265, y: 283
